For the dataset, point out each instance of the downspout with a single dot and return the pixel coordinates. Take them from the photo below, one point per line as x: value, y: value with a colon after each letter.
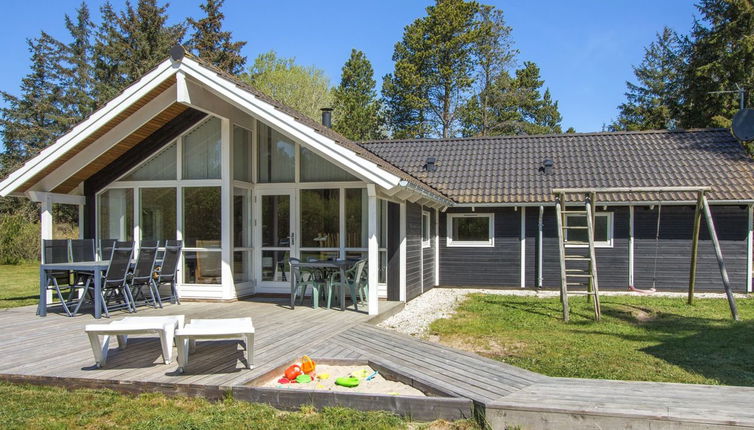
x: 539, y: 246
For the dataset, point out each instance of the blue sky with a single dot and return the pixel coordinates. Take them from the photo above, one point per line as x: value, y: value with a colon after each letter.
x: 585, y: 48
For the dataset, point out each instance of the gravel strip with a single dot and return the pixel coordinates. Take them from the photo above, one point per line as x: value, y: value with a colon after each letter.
x: 438, y: 303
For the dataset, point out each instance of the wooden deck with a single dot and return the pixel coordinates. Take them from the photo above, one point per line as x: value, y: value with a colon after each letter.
x: 54, y: 350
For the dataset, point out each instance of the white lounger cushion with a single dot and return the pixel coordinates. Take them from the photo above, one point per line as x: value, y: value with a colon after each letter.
x: 224, y: 328
x: 164, y: 327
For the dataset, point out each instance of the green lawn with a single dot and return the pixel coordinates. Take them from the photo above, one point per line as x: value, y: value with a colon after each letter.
x: 639, y: 338
x: 19, y: 285
x: 23, y: 407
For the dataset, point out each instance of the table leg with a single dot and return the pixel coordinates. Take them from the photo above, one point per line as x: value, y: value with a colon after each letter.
x: 342, y: 288
x: 97, y: 294
x: 293, y: 288
x: 42, y: 306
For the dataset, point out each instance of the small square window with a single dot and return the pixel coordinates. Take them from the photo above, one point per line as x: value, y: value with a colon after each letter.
x: 577, y: 233
x: 471, y: 230
x: 426, y: 236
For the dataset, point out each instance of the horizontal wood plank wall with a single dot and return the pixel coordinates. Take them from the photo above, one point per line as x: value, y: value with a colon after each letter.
x: 131, y: 158
x: 429, y: 254
x: 483, y: 266
x: 413, y: 250
x: 675, y: 248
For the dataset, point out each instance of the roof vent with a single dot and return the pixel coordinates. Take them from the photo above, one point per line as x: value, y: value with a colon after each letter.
x: 327, y: 117
x: 430, y: 166
x: 547, y: 167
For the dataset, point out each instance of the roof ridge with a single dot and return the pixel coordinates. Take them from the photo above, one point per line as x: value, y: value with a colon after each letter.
x: 541, y: 136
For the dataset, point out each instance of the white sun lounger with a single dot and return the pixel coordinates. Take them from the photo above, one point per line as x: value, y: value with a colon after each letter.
x: 225, y: 328
x: 165, y: 327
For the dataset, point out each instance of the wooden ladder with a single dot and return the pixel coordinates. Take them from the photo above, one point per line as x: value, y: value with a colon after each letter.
x: 577, y: 276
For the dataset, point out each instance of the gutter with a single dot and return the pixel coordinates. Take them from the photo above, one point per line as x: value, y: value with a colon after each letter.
x: 445, y: 202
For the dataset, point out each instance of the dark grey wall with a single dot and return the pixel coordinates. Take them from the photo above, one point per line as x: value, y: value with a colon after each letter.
x: 479, y: 266
x: 393, y: 251
x: 429, y: 253
x: 499, y: 266
x: 413, y: 251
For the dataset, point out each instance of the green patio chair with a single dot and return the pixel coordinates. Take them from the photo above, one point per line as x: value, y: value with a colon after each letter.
x: 307, y: 279
x: 357, y: 282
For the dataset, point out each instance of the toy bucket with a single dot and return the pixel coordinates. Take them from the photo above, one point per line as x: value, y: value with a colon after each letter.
x: 307, y: 364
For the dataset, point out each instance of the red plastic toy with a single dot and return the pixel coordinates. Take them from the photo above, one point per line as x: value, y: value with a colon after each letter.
x: 293, y: 371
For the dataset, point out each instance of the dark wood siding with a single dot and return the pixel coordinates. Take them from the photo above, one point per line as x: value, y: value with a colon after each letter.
x: 393, y: 251
x: 131, y: 159
x: 413, y: 251
x: 499, y: 267
x: 428, y: 263
x: 479, y: 266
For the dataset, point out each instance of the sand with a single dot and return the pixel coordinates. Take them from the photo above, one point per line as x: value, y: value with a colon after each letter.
x: 377, y: 385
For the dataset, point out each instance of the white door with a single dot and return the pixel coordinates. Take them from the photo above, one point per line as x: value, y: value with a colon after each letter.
x: 276, y: 231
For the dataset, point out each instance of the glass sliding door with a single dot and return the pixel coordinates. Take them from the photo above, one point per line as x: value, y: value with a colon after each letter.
x: 320, y: 224
x: 276, y: 230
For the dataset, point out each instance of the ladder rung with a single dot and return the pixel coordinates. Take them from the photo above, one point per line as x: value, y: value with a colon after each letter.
x: 575, y: 227
x: 573, y: 212
x: 573, y: 242
x: 581, y: 293
x: 577, y: 258
x: 579, y: 275
x: 576, y: 284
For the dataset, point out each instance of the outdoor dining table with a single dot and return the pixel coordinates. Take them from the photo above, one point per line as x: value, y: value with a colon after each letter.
x: 97, y: 267
x: 340, y: 265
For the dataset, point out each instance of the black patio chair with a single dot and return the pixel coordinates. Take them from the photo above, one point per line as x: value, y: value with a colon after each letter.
x: 142, y: 275
x: 82, y: 250
x: 114, y: 285
x: 106, y: 248
x: 166, y: 273
x: 57, y: 251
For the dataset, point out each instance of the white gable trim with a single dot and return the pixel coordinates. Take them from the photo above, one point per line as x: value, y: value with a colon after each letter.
x: 287, y: 124
x: 87, y: 127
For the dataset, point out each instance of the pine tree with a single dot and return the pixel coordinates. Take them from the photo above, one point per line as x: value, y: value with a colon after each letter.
x: 131, y: 43
x: 357, y: 110
x: 433, y: 70
x: 721, y: 57
x: 654, y: 101
x: 79, y: 85
x: 212, y: 44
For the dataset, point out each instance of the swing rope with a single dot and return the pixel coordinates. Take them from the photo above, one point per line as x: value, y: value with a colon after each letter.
x: 657, y: 249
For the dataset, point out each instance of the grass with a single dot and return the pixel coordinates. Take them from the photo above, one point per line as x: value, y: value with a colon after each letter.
x: 639, y: 338
x: 24, y: 406
x: 19, y: 285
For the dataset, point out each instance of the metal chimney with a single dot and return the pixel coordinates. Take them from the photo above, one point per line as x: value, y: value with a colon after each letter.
x: 327, y: 117
x: 547, y: 166
x: 431, y: 166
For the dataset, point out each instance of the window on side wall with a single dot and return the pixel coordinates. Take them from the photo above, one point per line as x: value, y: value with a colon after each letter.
x: 426, y: 236
x: 603, y: 230
x: 475, y: 229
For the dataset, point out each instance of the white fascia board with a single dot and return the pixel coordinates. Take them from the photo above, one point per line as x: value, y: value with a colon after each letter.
x: 323, y: 145
x: 68, y: 199
x: 87, y: 127
x: 104, y: 143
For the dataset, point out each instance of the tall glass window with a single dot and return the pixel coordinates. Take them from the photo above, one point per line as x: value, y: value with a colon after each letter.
x: 161, y: 167
x: 320, y: 218
x: 241, y: 154
x: 316, y: 169
x: 201, y: 151
x: 276, y: 157
x: 116, y: 214
x: 157, y: 215
x: 201, y: 217
x: 356, y: 218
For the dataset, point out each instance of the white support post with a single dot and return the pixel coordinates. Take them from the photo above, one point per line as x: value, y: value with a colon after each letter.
x: 374, y: 253
x: 437, y: 247
x: 46, y: 226
x: 402, y: 252
x: 226, y: 200
x: 749, y: 248
x: 631, y: 246
x: 522, y: 240
x: 540, y: 226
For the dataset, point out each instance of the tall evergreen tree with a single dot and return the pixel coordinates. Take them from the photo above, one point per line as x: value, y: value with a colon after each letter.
x: 211, y: 43
x: 131, y: 43
x: 654, y: 101
x: 80, y: 83
x: 433, y: 70
x: 357, y: 110
x: 721, y: 56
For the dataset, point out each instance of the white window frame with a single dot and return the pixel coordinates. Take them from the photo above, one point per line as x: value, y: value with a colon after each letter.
x: 426, y: 224
x: 597, y: 244
x: 489, y: 243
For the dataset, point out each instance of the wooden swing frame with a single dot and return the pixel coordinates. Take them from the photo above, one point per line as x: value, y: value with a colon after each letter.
x: 702, y: 208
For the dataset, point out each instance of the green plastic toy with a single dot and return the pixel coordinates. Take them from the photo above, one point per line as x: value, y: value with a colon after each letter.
x: 347, y: 382
x: 303, y: 379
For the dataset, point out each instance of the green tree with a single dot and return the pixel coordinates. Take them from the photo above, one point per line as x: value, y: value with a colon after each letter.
x: 720, y: 56
x: 653, y: 102
x: 357, y: 110
x: 130, y: 43
x: 306, y: 89
x: 209, y: 42
x: 434, y: 66
x: 80, y: 83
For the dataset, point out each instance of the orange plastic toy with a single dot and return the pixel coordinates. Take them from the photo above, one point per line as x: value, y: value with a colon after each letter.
x: 307, y: 364
x: 293, y: 371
